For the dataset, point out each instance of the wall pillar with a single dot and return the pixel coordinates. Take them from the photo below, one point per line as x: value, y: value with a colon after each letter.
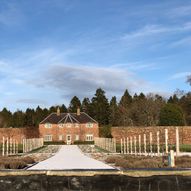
x: 166, y: 140
x: 145, y: 144
x: 158, y: 143
x: 177, y: 142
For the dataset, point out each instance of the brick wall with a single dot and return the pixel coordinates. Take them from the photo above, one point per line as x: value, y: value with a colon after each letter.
x: 19, y: 133
x: 82, y: 131
x: 184, y: 133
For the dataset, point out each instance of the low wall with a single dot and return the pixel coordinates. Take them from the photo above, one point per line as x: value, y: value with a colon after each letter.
x: 97, y: 182
x: 19, y: 133
x: 184, y: 133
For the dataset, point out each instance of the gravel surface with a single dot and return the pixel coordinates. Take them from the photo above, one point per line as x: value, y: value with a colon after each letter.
x: 44, y: 153
x: 70, y: 157
x: 94, y: 152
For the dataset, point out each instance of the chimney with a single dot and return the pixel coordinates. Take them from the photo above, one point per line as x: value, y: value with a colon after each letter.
x: 58, y: 111
x: 78, y: 111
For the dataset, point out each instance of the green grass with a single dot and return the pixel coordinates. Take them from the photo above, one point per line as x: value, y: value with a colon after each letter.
x: 101, y: 150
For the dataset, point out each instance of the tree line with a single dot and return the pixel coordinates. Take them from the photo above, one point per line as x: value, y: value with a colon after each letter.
x: 130, y: 110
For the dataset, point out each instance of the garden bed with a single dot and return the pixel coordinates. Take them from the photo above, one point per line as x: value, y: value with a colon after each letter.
x: 21, y: 162
x: 130, y: 161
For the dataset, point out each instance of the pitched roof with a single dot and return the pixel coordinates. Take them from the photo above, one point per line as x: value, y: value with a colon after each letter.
x: 68, y: 118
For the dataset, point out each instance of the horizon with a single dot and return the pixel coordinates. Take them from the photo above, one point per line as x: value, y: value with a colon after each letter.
x: 51, y: 51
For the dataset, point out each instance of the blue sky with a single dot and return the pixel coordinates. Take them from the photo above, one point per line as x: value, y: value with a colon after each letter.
x: 51, y: 50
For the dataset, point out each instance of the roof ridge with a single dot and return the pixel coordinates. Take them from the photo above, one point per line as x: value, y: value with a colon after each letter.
x: 74, y: 118
x: 46, y: 118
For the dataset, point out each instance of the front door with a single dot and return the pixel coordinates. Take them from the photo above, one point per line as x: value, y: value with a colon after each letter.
x: 68, y: 139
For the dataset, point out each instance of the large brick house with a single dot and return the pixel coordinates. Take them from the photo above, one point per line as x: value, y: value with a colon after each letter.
x: 68, y: 127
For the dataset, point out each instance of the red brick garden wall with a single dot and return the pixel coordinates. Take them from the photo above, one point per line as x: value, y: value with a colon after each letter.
x: 19, y: 133
x: 184, y: 133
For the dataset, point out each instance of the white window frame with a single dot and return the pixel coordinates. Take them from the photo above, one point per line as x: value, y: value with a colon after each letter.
x: 68, y: 125
x: 47, y: 138
x: 60, y: 125
x: 89, y: 137
x: 89, y: 125
x: 48, y: 125
x: 60, y: 137
x: 77, y: 125
x: 77, y: 137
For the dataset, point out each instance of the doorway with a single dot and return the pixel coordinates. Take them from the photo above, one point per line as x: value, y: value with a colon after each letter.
x: 68, y: 139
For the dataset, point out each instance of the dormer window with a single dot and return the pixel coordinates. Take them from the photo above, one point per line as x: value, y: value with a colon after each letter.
x: 68, y: 125
x: 60, y: 125
x: 76, y: 125
x: 89, y: 125
x: 48, y: 125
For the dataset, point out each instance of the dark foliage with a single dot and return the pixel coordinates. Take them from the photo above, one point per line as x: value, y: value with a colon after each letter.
x: 137, y: 110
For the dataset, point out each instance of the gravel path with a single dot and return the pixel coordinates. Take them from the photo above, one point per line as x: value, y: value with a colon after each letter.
x: 70, y: 157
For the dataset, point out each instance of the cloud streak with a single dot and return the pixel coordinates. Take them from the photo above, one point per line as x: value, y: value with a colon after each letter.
x: 83, y: 80
x: 180, y: 75
x: 150, y: 30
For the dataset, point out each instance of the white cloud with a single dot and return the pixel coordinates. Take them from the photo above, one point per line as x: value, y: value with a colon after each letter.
x: 31, y: 101
x: 150, y: 30
x: 83, y: 80
x: 180, y: 75
x: 137, y: 66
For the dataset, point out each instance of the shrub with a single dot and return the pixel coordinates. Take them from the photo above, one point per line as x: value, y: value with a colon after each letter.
x: 28, y: 160
x: 112, y: 159
x: 83, y: 142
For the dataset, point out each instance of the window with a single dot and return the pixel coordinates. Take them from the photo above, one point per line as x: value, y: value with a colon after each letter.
x: 47, y: 138
x: 60, y: 125
x: 68, y: 125
x: 89, y: 137
x: 77, y: 138
x: 60, y: 137
x: 48, y: 125
x: 89, y: 125
x: 76, y: 125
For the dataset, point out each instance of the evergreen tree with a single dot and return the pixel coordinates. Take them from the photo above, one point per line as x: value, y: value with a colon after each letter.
x: 173, y: 99
x: 38, y: 115
x: 100, y: 107
x: 171, y: 114
x: 5, y: 118
x: 63, y: 108
x: 86, y: 105
x: 52, y: 109
x: 18, y: 119
x: 29, y: 117
x: 124, y: 109
x: 114, y: 113
x: 126, y: 100
x: 185, y: 103
x: 74, y: 104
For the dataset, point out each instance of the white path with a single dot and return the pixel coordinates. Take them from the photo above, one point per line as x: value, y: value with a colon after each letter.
x: 70, y: 157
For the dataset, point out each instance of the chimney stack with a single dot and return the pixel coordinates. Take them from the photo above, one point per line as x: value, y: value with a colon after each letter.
x: 58, y: 111
x: 78, y: 111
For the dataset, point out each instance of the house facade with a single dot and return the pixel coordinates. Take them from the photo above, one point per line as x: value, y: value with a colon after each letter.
x: 68, y: 127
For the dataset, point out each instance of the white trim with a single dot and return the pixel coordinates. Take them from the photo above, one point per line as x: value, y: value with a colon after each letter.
x: 90, y: 135
x: 46, y: 117
x: 74, y: 118
x: 48, y: 136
